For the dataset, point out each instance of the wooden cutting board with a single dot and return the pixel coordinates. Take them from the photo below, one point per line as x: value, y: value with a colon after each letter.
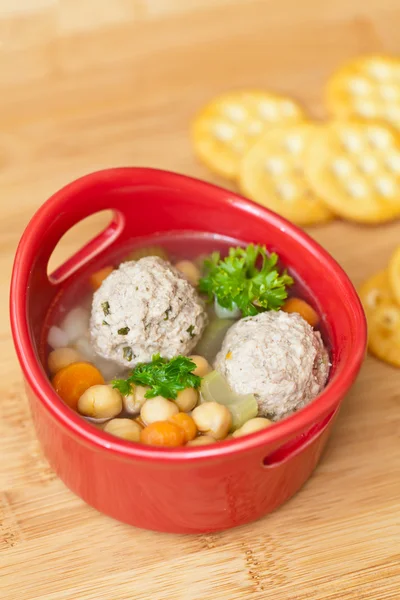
x: 87, y: 85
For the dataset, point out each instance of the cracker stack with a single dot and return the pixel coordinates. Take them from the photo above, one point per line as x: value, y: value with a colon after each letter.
x: 308, y: 172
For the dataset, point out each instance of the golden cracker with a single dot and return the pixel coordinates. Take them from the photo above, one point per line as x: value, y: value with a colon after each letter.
x: 272, y: 174
x: 376, y: 292
x: 229, y: 125
x: 354, y: 167
x: 383, y: 317
x: 394, y: 274
x: 368, y: 88
x: 384, y: 334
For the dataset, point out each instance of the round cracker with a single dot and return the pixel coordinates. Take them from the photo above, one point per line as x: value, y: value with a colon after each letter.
x: 394, y: 274
x: 383, y: 317
x: 367, y: 88
x: 384, y: 333
x: 272, y: 174
x: 376, y: 292
x: 354, y: 167
x: 229, y: 125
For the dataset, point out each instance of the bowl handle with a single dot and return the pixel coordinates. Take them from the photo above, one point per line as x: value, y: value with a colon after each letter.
x: 90, y: 250
x: 66, y: 208
x: 298, y: 443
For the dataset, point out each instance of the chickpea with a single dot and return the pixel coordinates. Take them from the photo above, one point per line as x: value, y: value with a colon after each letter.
x: 189, y: 271
x: 100, y: 401
x: 202, y: 440
x: 202, y: 365
x: 134, y: 402
x: 187, y: 399
x: 125, y: 429
x: 62, y: 357
x: 251, y: 426
x: 157, y: 409
x: 213, y: 418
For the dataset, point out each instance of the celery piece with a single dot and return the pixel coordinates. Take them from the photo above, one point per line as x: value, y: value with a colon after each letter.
x: 215, y: 388
x: 226, y: 313
x: 212, y: 338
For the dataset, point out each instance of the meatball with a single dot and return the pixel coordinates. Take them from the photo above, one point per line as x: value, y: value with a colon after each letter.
x: 277, y: 357
x: 143, y: 308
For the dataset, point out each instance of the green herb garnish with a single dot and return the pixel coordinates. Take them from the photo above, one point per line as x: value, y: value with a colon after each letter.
x: 237, y: 281
x: 105, y: 323
x: 190, y: 331
x: 106, y: 308
x: 164, y: 377
x: 123, y: 331
x: 127, y: 353
x: 124, y: 386
x: 167, y: 313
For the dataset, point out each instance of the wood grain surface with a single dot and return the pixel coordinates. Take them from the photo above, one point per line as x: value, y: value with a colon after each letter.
x: 86, y: 85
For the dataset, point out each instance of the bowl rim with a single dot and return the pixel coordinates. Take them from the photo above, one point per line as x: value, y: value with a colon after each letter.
x: 325, y: 403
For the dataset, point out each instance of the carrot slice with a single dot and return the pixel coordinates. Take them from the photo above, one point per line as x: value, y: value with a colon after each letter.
x: 97, y: 278
x: 297, y: 305
x: 163, y: 433
x: 186, y: 423
x: 72, y: 381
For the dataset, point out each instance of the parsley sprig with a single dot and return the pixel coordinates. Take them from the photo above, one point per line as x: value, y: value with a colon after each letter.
x: 237, y: 281
x: 164, y: 377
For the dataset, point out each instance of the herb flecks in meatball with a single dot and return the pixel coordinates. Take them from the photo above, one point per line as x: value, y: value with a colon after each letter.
x: 146, y: 307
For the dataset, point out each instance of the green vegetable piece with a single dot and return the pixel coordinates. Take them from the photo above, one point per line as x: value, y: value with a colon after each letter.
x: 123, y: 386
x: 211, y: 340
x: 164, y: 377
x: 106, y: 308
x: 190, y: 331
x: 236, y: 280
x: 105, y: 323
x: 215, y: 388
x: 123, y: 331
x: 127, y: 353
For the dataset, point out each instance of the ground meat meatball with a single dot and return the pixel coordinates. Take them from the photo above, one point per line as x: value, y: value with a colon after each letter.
x: 143, y: 308
x: 276, y: 356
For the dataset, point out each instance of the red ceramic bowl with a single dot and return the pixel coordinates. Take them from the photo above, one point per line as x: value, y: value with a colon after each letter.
x: 188, y: 489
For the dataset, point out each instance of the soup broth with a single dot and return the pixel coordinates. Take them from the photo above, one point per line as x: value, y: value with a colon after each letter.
x: 69, y: 333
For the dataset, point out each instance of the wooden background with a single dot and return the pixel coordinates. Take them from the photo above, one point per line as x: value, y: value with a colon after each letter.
x: 86, y: 84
